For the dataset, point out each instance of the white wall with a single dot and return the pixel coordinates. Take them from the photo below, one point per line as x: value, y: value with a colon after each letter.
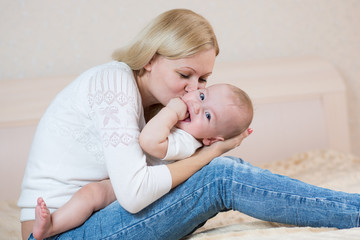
x: 41, y: 38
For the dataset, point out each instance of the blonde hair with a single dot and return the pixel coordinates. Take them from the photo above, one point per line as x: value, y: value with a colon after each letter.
x: 174, y: 34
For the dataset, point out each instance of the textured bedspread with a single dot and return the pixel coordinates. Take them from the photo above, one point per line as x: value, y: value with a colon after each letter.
x: 329, y: 169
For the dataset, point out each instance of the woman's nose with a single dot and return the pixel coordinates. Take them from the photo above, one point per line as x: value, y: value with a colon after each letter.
x: 192, y: 85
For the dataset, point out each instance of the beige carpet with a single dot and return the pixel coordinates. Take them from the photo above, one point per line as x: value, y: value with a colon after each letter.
x: 329, y: 169
x: 9, y: 221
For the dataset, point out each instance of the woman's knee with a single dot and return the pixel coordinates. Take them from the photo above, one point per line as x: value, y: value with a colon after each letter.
x: 229, y: 166
x: 221, y: 167
x: 226, y: 162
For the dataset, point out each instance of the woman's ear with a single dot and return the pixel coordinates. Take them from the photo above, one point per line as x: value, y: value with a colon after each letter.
x: 209, y: 141
x: 149, y: 65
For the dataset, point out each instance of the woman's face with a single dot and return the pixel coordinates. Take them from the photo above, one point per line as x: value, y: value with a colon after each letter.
x: 173, y: 78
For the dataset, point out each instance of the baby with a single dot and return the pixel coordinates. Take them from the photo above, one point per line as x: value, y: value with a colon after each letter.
x: 200, y: 117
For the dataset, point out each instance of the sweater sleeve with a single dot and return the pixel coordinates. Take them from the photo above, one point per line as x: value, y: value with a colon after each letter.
x: 117, y: 112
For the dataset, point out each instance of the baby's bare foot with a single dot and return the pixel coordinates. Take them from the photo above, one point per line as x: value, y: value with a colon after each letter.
x: 42, y: 220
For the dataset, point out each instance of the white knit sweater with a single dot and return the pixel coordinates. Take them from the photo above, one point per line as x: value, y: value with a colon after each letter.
x: 89, y: 133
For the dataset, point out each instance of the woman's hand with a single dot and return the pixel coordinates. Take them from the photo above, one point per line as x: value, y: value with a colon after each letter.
x: 182, y: 170
x: 222, y: 147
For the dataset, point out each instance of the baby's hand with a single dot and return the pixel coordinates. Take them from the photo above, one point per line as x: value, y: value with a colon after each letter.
x: 179, y: 106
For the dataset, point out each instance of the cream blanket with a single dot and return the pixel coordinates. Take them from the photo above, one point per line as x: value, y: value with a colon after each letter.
x: 329, y: 169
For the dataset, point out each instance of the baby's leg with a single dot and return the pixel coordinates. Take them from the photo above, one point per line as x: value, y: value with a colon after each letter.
x: 90, y: 198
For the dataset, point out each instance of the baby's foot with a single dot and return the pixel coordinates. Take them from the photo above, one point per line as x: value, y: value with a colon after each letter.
x: 42, y: 220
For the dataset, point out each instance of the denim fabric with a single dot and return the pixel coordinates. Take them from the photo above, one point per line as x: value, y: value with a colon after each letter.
x: 226, y: 183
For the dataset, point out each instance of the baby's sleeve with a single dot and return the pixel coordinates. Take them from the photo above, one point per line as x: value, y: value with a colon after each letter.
x: 181, y: 145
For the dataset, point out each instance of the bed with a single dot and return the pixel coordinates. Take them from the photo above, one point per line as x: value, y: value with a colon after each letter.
x: 300, y: 130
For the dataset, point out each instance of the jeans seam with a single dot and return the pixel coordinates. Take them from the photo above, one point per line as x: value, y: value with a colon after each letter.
x: 293, y: 195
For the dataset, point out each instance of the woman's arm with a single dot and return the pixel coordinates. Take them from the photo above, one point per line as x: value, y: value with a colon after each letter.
x: 154, y: 136
x: 117, y: 117
x: 181, y: 170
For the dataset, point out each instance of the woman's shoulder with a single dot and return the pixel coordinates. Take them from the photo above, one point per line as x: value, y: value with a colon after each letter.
x: 111, y: 73
x: 113, y: 66
x: 117, y: 66
x: 113, y: 80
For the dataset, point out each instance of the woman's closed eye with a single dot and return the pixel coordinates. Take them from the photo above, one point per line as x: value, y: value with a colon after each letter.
x: 202, y: 80
x: 184, y: 75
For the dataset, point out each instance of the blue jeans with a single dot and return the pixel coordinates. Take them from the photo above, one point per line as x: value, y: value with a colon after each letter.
x: 226, y: 183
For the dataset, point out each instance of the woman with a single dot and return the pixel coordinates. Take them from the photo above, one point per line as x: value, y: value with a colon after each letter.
x: 90, y: 133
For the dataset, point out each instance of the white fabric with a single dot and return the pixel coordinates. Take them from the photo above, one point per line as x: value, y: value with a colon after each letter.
x: 180, y: 145
x: 90, y: 133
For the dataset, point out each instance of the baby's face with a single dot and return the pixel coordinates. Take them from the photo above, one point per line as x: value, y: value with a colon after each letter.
x: 211, y: 110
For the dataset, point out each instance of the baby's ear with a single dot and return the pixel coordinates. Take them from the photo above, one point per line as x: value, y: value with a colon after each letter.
x: 209, y: 141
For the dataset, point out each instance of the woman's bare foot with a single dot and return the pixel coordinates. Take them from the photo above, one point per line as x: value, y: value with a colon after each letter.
x: 42, y: 220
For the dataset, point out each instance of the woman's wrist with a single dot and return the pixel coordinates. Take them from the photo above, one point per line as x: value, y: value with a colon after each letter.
x: 208, y: 153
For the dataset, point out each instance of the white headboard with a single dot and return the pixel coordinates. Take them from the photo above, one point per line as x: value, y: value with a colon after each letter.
x: 300, y: 105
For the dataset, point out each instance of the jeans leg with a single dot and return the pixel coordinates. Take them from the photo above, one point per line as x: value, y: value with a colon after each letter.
x: 267, y: 196
x: 226, y: 183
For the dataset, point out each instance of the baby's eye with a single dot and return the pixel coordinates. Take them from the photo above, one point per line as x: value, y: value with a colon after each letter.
x: 208, y: 116
x: 202, y: 96
x: 202, y: 80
